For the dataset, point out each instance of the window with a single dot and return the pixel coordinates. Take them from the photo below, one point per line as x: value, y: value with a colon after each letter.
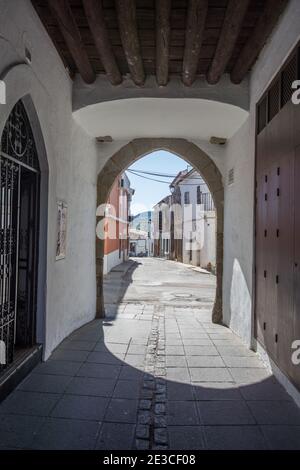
x: 187, y: 197
x: 199, y: 195
x: 160, y: 221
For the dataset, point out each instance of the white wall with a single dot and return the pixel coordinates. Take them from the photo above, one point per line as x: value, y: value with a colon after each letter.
x: 239, y: 198
x: 204, y: 249
x: 70, y: 287
x: 111, y: 260
x: 208, y: 251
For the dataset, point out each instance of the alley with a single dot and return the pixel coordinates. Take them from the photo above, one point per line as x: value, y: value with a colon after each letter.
x: 154, y: 374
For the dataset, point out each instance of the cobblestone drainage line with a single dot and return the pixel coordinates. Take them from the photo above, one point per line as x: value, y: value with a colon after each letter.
x: 151, y: 429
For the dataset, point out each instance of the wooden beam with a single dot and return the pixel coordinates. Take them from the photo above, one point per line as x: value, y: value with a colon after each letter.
x: 196, y: 17
x: 63, y: 14
x: 234, y: 17
x: 95, y: 17
x: 266, y: 23
x: 126, y: 11
x: 163, y: 33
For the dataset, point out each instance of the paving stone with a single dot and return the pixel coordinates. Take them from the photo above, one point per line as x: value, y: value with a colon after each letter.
x: 160, y: 436
x: 142, y: 431
x: 217, y: 391
x: 176, y: 361
x: 160, y: 397
x: 91, y: 386
x: 19, y: 431
x: 145, y: 404
x: 146, y: 394
x: 78, y: 345
x: 267, y: 390
x: 127, y: 389
x: 116, y: 436
x: 137, y: 349
x: 160, y: 421
x: 69, y: 355
x: 224, y: 412
x: 144, y: 417
x: 178, y: 374
x: 275, y: 412
x: 29, y: 403
x: 121, y: 411
x: 234, y: 438
x: 186, y: 437
x: 81, y: 407
x: 134, y: 360
x: 178, y: 390
x: 234, y: 350
x: 130, y: 373
x: 66, y: 434
x: 101, y: 371
x: 210, y: 374
x: 201, y: 351
x: 175, y: 350
x: 182, y: 413
x: 160, y: 408
x: 282, y: 437
x: 45, y: 383
x: 58, y: 368
x: 99, y: 357
x: 237, y: 361
x: 149, y: 384
x: 249, y: 375
x: 142, y: 444
x: 205, y: 361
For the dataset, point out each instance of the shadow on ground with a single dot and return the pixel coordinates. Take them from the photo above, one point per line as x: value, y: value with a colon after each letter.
x: 152, y: 375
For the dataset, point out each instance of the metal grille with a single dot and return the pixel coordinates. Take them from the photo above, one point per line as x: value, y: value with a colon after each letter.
x: 17, y: 151
x: 262, y: 115
x: 207, y: 201
x: 17, y: 139
x: 8, y: 252
x: 274, y: 100
x: 289, y: 75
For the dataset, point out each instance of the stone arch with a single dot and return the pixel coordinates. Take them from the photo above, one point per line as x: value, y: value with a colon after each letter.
x: 190, y: 152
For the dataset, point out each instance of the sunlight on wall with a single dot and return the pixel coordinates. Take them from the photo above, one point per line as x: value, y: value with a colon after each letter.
x: 240, y: 303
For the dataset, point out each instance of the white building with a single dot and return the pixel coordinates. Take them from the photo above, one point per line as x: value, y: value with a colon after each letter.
x: 198, y: 219
x: 140, y: 235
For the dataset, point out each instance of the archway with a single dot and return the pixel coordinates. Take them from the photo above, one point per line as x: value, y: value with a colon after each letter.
x: 190, y: 152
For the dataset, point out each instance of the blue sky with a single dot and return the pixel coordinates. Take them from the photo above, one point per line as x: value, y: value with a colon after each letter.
x: 148, y: 193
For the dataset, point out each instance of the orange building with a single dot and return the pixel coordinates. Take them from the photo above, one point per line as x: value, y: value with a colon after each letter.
x: 116, y: 244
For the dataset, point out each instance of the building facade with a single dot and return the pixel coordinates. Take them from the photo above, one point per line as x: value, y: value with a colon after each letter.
x: 198, y: 220
x: 116, y: 244
x: 185, y: 222
x: 140, y: 235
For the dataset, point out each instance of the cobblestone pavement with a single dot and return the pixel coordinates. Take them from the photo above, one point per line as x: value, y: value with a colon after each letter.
x: 155, y: 374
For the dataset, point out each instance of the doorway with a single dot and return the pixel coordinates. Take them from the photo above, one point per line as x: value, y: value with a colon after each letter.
x: 19, y: 222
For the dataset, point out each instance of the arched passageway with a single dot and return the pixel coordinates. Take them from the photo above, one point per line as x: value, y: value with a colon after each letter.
x: 202, y: 162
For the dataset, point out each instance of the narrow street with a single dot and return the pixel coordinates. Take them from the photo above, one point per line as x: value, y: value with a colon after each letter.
x: 155, y: 374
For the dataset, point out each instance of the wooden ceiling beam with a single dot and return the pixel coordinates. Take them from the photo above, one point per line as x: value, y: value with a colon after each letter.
x: 69, y: 29
x: 163, y: 34
x: 234, y: 17
x: 196, y: 17
x: 264, y: 27
x: 95, y: 17
x: 126, y: 11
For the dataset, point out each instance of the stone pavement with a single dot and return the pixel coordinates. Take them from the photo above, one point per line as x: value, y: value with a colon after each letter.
x: 155, y: 374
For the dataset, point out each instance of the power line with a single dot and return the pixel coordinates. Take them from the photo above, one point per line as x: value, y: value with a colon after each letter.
x: 163, y: 175
x: 160, y: 181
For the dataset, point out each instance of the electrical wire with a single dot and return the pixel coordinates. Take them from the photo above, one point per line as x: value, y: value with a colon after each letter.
x: 160, y: 181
